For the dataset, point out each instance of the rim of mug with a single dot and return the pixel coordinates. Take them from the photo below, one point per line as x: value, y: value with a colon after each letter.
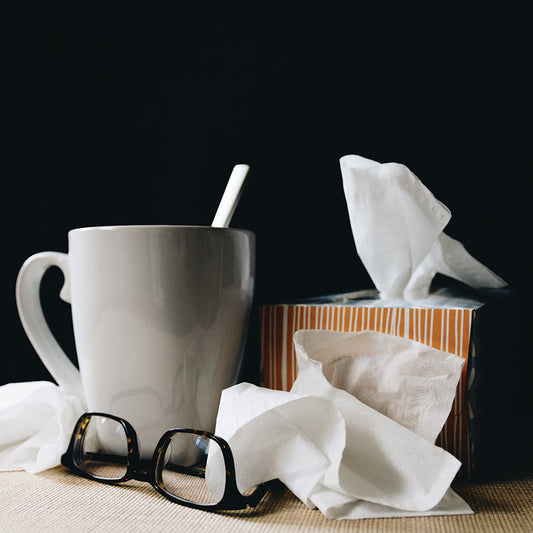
x: 156, y: 226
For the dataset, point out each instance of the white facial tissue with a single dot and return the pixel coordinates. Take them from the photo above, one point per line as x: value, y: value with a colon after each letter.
x: 398, y: 226
x: 36, y: 421
x: 351, y: 453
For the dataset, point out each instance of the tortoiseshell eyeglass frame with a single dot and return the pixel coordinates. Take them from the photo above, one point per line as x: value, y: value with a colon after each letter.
x: 150, y: 471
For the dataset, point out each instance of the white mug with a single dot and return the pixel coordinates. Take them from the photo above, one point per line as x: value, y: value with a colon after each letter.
x: 160, y: 317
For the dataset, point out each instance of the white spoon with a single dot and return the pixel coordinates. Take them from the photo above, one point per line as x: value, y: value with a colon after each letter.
x: 231, y: 196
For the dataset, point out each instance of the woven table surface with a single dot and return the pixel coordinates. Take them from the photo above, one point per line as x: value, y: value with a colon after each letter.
x: 57, y: 500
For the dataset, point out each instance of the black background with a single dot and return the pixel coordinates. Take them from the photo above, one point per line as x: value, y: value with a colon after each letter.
x: 136, y: 115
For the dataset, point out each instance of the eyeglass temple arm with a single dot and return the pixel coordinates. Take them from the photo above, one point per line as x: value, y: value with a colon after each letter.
x: 145, y: 463
x: 189, y: 470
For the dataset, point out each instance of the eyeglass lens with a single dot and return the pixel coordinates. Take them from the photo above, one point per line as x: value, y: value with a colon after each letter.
x: 103, y: 449
x: 193, y: 468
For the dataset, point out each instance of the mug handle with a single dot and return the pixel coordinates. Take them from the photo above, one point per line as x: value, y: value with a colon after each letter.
x: 31, y: 315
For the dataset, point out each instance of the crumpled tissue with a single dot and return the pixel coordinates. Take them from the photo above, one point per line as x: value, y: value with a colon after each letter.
x: 398, y: 226
x: 36, y: 422
x: 355, y: 435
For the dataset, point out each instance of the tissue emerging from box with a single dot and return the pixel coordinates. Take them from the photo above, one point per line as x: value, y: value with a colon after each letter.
x: 397, y: 225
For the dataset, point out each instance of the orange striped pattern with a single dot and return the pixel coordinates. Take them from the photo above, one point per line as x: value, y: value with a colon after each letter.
x: 443, y: 329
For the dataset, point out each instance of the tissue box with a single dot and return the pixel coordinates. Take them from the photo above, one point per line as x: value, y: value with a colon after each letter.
x: 470, y: 324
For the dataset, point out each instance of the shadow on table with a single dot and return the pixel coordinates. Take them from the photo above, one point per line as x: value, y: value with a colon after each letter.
x: 275, y: 497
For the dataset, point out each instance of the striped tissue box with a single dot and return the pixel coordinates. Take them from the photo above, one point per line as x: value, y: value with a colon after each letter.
x: 446, y: 321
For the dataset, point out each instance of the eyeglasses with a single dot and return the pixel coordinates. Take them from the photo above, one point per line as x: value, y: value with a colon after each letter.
x: 190, y: 467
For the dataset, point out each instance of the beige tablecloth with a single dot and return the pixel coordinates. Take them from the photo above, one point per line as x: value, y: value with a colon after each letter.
x: 59, y: 501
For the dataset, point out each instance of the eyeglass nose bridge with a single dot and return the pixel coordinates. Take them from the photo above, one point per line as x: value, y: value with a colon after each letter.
x: 142, y: 476
x: 142, y: 473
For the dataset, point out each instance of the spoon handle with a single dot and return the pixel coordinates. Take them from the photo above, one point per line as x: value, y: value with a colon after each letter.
x: 230, y: 197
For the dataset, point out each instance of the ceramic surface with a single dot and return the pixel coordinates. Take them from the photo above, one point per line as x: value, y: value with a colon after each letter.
x: 159, y: 314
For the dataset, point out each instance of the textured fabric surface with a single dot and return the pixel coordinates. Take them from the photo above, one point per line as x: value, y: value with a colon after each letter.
x: 56, y: 500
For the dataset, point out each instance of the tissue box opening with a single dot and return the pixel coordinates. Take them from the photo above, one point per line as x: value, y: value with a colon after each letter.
x: 469, y: 324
